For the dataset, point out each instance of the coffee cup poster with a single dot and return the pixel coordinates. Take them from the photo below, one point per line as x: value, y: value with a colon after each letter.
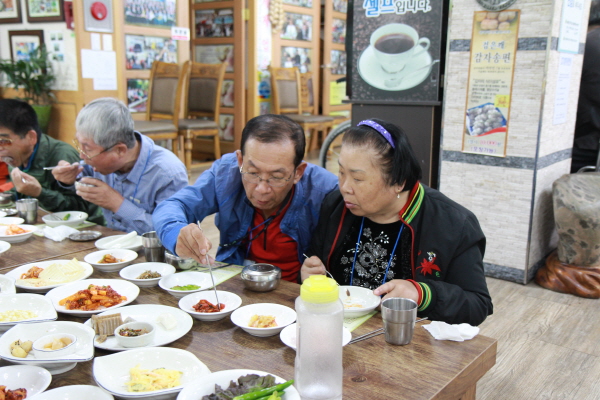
x: 396, y: 48
x: 487, y: 112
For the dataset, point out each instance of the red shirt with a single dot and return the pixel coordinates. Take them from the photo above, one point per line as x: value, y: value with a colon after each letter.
x: 272, y: 246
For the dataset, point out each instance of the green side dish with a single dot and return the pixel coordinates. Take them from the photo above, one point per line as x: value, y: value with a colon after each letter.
x: 186, y: 287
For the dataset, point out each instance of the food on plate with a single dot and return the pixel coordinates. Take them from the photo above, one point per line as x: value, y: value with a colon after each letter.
x: 57, y: 343
x: 16, y: 315
x: 205, y: 306
x: 106, y: 324
x: 16, y: 394
x: 15, y: 230
x: 186, y: 287
x: 20, y: 348
x: 55, y: 274
x: 149, y: 275
x: 109, y: 259
x: 145, y: 380
x: 92, y: 298
x: 350, y: 303
x: 251, y: 386
x: 167, y: 320
x: 129, y: 332
x: 262, y: 321
x: 66, y: 217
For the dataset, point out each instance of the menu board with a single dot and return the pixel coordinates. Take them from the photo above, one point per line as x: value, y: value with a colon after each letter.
x: 396, y: 49
x: 493, y: 49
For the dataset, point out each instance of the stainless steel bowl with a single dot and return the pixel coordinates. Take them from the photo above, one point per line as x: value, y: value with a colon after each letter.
x: 261, y: 277
x: 6, y: 198
x: 178, y: 262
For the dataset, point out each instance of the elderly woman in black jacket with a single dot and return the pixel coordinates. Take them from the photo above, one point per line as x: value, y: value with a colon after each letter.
x: 386, y: 231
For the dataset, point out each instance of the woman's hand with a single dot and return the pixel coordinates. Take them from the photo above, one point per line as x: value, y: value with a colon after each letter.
x: 398, y: 288
x: 312, y: 266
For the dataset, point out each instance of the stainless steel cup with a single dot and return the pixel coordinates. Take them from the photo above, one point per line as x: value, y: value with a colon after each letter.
x: 153, y: 248
x: 399, y: 317
x: 27, y: 209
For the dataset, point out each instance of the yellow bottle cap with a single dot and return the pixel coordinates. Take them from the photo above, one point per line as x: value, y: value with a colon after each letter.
x: 319, y: 289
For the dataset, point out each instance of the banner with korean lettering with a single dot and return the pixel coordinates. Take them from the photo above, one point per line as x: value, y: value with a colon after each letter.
x: 396, y: 47
x: 493, y: 50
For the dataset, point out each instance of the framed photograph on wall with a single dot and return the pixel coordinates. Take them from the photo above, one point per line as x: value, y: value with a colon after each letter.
x: 22, y: 43
x: 10, y: 11
x: 156, y: 13
x: 215, y: 54
x: 296, y: 57
x: 137, y: 94
x: 226, y: 126
x: 45, y: 10
x: 300, y: 3
x: 338, y: 31
x: 214, y: 23
x: 227, y: 92
x: 142, y: 51
x: 297, y: 27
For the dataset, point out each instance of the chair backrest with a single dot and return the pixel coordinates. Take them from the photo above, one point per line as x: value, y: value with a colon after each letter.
x: 307, y: 90
x: 202, y: 91
x: 285, y: 85
x: 164, y: 92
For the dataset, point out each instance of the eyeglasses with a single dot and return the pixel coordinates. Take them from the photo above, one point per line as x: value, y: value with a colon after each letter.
x: 79, y: 149
x: 5, y: 142
x: 252, y: 177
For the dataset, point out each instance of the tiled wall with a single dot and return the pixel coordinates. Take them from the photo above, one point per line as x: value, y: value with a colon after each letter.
x: 512, y: 196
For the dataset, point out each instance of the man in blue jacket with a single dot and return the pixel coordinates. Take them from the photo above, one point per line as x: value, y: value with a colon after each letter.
x: 266, y: 198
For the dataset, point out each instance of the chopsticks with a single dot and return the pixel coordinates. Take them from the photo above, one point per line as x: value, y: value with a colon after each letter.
x: 327, y: 272
x: 376, y: 332
x: 210, y: 268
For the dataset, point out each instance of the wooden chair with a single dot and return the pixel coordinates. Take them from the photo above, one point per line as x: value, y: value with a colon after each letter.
x: 202, y: 105
x: 287, y: 100
x: 162, y: 109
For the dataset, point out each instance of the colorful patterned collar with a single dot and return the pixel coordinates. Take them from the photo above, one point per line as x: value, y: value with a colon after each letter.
x: 413, y: 205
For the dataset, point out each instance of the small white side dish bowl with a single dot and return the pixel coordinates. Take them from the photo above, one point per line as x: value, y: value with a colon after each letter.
x: 124, y: 288
x: 283, y: 317
x: 42, y: 353
x: 135, y: 341
x: 206, y: 385
x: 34, y: 379
x: 122, y: 254
x: 17, y: 238
x: 113, y: 371
x: 7, y: 285
x: 75, y: 392
x: 132, y: 272
x: 36, y: 303
x: 360, y: 302
x: 4, y: 246
x: 231, y: 301
x: 185, y: 278
x: 134, y: 244
x: 57, y: 219
x: 288, y: 336
x: 11, y: 221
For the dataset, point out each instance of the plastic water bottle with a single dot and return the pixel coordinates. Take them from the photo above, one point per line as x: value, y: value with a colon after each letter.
x: 320, y: 312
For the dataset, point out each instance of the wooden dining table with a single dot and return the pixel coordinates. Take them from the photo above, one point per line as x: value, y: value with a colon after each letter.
x: 373, y: 369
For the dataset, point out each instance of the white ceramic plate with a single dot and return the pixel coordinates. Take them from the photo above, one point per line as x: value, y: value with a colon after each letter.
x: 17, y: 272
x: 122, y: 254
x: 288, y: 336
x: 283, y: 317
x: 131, y: 273
x: 361, y: 301
x: 149, y: 313
x: 34, y: 379
x: 37, y: 303
x: 112, y: 372
x: 2, y: 214
x: 4, y: 246
x: 185, y: 278
x: 206, y: 385
x: 7, y: 285
x: 84, y: 346
x: 136, y: 244
x: 231, y: 301
x: 75, y: 392
x: 17, y: 238
x: 11, y: 220
x: 415, y: 71
x: 57, y: 219
x: 124, y: 288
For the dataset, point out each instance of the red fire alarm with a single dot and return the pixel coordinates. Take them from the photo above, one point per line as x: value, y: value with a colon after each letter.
x: 98, y: 15
x: 99, y: 11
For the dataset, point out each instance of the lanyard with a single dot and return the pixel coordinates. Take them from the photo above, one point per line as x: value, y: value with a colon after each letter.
x: 391, y: 254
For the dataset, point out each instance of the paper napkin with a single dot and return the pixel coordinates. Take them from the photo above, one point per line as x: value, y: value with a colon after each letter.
x: 58, y: 233
x: 457, y: 332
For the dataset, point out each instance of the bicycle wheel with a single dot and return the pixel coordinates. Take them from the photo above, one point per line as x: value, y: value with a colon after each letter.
x: 330, y: 150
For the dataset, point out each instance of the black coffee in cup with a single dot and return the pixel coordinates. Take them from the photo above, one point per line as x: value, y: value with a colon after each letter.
x: 394, y: 43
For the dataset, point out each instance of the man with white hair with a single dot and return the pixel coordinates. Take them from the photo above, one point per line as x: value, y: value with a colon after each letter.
x: 121, y: 170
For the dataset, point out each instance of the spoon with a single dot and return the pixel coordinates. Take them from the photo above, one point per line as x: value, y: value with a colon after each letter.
x: 396, y: 81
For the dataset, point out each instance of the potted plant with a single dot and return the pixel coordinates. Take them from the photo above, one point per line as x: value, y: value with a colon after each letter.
x: 35, y: 77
